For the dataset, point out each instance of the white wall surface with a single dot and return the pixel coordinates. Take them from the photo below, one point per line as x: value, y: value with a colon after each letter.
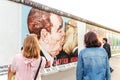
x: 10, y: 32
x: 81, y: 27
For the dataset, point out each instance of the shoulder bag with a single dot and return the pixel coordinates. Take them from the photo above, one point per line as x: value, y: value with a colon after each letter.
x: 38, y: 69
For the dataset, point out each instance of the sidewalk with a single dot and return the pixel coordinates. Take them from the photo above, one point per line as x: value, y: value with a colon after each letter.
x: 115, y: 64
x: 70, y: 74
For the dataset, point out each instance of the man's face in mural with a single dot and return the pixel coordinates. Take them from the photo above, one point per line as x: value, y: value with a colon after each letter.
x: 52, y: 41
x: 48, y: 27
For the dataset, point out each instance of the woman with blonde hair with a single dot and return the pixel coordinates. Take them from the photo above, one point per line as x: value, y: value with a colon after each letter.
x: 25, y: 65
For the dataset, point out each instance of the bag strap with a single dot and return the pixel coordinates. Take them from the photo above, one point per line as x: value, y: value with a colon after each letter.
x: 38, y: 69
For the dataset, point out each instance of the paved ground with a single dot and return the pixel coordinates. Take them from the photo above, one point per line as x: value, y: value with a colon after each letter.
x: 115, y: 64
x: 70, y: 74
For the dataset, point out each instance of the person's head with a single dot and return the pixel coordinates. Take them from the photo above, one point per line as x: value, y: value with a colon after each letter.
x: 104, y: 40
x: 91, y: 40
x: 48, y: 27
x: 31, y: 48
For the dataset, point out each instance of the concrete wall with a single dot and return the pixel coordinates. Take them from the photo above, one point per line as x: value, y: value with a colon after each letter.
x: 10, y: 31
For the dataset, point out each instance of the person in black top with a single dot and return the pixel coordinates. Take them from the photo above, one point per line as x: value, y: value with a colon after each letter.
x: 106, y: 46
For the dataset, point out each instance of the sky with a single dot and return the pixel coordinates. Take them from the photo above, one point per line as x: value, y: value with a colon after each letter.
x: 104, y: 12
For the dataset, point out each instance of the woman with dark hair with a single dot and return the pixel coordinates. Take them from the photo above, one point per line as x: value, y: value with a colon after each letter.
x: 92, y: 61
